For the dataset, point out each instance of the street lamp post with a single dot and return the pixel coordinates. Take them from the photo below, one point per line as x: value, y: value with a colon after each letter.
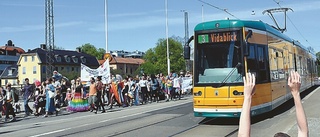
x: 168, y: 58
x: 186, y: 28
x: 106, y: 23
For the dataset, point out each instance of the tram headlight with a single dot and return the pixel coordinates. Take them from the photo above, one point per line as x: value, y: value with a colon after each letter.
x: 199, y: 93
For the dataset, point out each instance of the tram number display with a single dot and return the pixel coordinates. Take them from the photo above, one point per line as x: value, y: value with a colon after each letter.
x: 218, y: 37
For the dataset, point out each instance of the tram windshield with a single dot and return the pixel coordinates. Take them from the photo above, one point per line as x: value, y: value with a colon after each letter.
x: 218, y: 63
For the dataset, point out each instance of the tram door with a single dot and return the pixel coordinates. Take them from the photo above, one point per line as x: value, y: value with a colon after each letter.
x: 278, y: 78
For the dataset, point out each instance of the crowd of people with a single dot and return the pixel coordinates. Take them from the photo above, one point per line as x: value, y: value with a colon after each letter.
x: 55, y: 92
x: 97, y: 95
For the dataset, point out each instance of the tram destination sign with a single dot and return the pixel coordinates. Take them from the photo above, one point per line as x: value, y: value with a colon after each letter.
x: 216, y: 37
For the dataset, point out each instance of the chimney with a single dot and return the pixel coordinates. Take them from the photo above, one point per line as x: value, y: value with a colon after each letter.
x: 78, y: 49
x: 43, y: 46
x: 29, y: 50
x: 9, y: 43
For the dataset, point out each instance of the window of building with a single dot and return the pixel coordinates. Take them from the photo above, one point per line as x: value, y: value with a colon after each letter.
x: 58, y: 58
x: 62, y: 68
x: 24, y: 70
x: 6, y: 81
x: 68, y: 69
x: 75, y: 59
x: 77, y: 69
x: 10, y: 72
x: 67, y: 58
x: 72, y: 69
x: 14, y: 82
x: 83, y: 59
x: 34, y: 71
x: 25, y: 58
x: 32, y: 58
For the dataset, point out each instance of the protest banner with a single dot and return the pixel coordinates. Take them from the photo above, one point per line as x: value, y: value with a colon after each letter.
x: 103, y: 71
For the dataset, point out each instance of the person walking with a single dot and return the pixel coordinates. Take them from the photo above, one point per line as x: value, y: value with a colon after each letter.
x: 92, y: 94
x: 154, y: 88
x: 99, y: 104
x: 78, y: 103
x: 49, y: 89
x: 143, y: 86
x: 28, y: 91
x: 8, y: 103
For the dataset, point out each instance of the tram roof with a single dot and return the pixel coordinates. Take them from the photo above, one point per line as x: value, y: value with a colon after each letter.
x: 226, y: 24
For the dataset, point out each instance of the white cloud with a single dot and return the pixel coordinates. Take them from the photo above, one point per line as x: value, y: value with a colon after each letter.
x: 38, y: 27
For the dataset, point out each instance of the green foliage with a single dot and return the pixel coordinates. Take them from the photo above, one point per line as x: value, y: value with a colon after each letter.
x: 318, y: 63
x: 318, y: 55
x: 156, y: 58
x: 58, y: 48
x: 70, y: 75
x: 92, y: 50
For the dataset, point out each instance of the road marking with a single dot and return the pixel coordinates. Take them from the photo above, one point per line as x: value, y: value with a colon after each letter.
x: 51, y: 132
x: 61, y: 130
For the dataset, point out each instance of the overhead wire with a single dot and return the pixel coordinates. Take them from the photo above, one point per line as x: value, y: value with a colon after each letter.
x: 278, y: 3
x: 224, y: 10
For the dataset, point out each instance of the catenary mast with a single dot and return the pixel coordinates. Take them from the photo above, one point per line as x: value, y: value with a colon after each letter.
x: 49, y: 37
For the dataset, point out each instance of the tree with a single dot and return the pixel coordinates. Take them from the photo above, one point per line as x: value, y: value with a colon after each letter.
x: 318, y: 55
x: 70, y: 75
x: 156, y: 58
x: 318, y: 65
x: 92, y: 50
x: 58, y: 48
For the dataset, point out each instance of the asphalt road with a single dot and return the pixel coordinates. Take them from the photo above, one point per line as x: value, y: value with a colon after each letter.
x: 174, y: 118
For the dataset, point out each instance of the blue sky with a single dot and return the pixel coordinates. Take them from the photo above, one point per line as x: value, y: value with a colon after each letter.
x: 139, y: 24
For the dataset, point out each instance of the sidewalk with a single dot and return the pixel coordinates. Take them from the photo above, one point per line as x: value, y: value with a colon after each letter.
x: 311, y: 107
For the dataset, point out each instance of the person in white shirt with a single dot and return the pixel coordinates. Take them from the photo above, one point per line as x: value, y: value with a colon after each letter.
x: 143, y: 85
x: 176, y: 86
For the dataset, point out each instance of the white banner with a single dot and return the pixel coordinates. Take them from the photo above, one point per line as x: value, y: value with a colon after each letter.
x: 103, y: 71
x: 186, y: 83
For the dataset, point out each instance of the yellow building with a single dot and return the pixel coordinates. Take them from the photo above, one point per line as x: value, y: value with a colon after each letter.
x: 33, y: 64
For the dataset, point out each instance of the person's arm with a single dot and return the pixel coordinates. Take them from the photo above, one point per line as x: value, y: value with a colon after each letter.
x: 294, y: 83
x: 245, y: 122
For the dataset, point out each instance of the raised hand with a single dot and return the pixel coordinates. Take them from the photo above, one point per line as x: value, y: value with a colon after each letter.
x: 294, y: 82
x: 249, y: 84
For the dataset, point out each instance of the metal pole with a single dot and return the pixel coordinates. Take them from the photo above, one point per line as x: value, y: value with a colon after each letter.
x: 202, y: 12
x: 168, y: 58
x: 186, y: 28
x: 106, y: 23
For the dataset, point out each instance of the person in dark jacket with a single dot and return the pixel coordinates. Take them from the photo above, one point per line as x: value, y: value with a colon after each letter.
x: 28, y: 91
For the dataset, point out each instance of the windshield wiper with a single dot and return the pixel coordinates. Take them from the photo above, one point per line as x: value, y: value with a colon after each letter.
x: 228, y: 76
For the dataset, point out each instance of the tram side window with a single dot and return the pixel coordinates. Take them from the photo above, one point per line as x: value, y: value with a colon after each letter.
x: 262, y: 64
x: 299, y: 66
x: 309, y: 66
x: 251, y: 60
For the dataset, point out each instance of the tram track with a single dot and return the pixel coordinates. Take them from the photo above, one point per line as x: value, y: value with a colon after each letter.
x: 109, y: 124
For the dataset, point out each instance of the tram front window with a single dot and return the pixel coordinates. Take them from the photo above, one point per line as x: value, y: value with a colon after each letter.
x: 219, y: 63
